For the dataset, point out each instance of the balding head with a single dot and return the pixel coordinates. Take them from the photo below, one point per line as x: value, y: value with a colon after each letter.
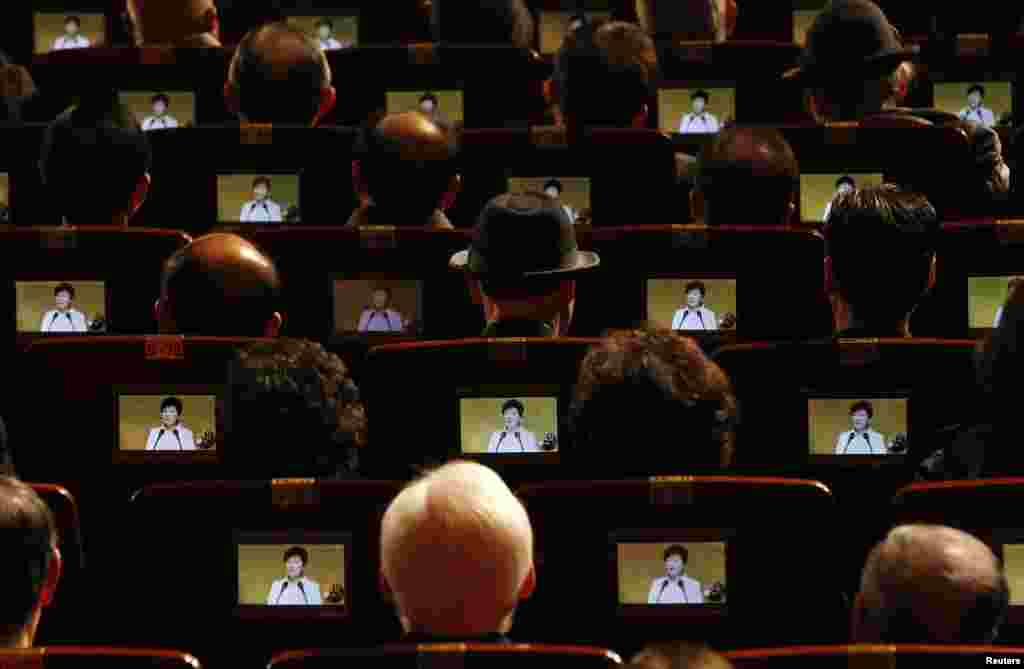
x: 930, y: 584
x: 457, y: 553
x: 406, y: 164
x: 280, y: 75
x: 220, y: 285
x: 749, y: 176
x: 174, y: 22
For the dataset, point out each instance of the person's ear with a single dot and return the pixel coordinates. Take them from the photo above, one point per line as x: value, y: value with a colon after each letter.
x: 548, y: 89
x: 452, y: 192
x: 731, y: 12
x: 141, y: 191
x: 529, y: 584
x: 272, y: 328
x: 328, y: 99
x: 210, y: 22
x: 54, y: 569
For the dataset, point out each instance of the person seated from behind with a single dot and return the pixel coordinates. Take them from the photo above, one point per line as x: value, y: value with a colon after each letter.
x: 687, y: 20
x: 756, y: 162
x: 84, y: 196
x: 678, y: 655
x: 880, y: 246
x: 405, y: 173
x: 220, y: 285
x: 177, y: 23
x: 491, y: 22
x: 315, y: 406
x: 280, y: 75
x: 664, y: 382
x: 522, y: 266
x: 473, y: 546
x: 30, y: 559
x: 929, y: 584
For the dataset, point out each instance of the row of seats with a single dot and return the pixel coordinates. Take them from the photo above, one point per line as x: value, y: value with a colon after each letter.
x: 575, y: 524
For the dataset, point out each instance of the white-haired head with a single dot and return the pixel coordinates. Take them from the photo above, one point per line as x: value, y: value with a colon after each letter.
x: 457, y: 552
x: 930, y: 584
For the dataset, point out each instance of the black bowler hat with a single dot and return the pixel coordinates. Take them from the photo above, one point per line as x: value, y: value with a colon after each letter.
x: 850, y: 37
x: 523, y: 235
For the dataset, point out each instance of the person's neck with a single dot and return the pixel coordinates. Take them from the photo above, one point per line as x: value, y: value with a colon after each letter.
x: 293, y: 579
x: 845, y: 319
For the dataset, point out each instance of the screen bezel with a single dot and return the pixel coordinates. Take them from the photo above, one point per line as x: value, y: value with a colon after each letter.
x: 295, y: 536
x: 817, y: 459
x: 135, y: 457
x: 491, y: 390
x: 660, y: 612
x: 72, y: 279
x: 374, y: 338
x: 695, y: 140
x: 169, y: 92
x: 700, y: 335
x: 235, y: 225
x: 83, y: 9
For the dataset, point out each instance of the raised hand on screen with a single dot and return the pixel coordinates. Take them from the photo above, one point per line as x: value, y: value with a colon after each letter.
x: 550, y: 442
x: 336, y: 594
x: 207, y: 440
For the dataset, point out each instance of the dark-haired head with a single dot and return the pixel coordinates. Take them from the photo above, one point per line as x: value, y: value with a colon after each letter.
x: 679, y: 550
x: 678, y: 655
x: 864, y: 406
x: 896, y: 230
x: 169, y: 402
x: 100, y: 126
x: 661, y: 380
x: 64, y: 287
x: 299, y: 552
x: 492, y: 22
x: 513, y: 404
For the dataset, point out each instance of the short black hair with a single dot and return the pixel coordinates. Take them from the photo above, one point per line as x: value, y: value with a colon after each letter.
x: 605, y: 72
x: 29, y: 533
x: 297, y: 551
x: 513, y: 404
x: 756, y: 162
x: 429, y: 96
x: 846, y: 179
x: 894, y: 228
x: 264, y: 96
x: 313, y: 403
x: 171, y: 402
x: 325, y: 21
x: 73, y: 19
x: 265, y: 180
x: 100, y: 127
x: 977, y: 87
x: 64, y: 287
x: 553, y: 183
x: 696, y: 285
x: 412, y: 187
x: 492, y: 22
x: 676, y: 549
x: 700, y: 93
x: 160, y: 97
x: 864, y: 406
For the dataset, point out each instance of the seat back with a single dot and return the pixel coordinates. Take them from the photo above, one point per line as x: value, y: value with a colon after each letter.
x: 726, y: 524
x: 171, y: 520
x: 465, y: 654
x: 71, y: 657
x: 458, y: 388
x: 870, y: 656
x: 629, y: 287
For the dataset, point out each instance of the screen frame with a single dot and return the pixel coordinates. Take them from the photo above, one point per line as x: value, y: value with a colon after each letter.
x: 71, y: 277
x: 492, y: 390
x: 695, y: 140
x: 294, y: 536
x: 239, y: 226
x: 833, y: 460
x: 700, y: 335
x: 375, y: 339
x: 123, y: 457
x: 169, y: 92
x: 682, y: 613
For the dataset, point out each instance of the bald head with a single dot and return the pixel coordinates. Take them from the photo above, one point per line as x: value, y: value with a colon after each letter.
x: 174, y: 22
x: 749, y: 176
x: 280, y: 75
x: 457, y: 552
x: 407, y: 165
x: 930, y: 584
x: 220, y: 285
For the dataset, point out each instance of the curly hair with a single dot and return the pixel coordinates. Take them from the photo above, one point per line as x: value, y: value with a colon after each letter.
x: 298, y: 389
x: 666, y: 385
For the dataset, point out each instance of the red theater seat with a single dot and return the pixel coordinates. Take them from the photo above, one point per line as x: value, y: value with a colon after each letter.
x: 447, y: 654
x: 873, y: 656
x: 73, y: 657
